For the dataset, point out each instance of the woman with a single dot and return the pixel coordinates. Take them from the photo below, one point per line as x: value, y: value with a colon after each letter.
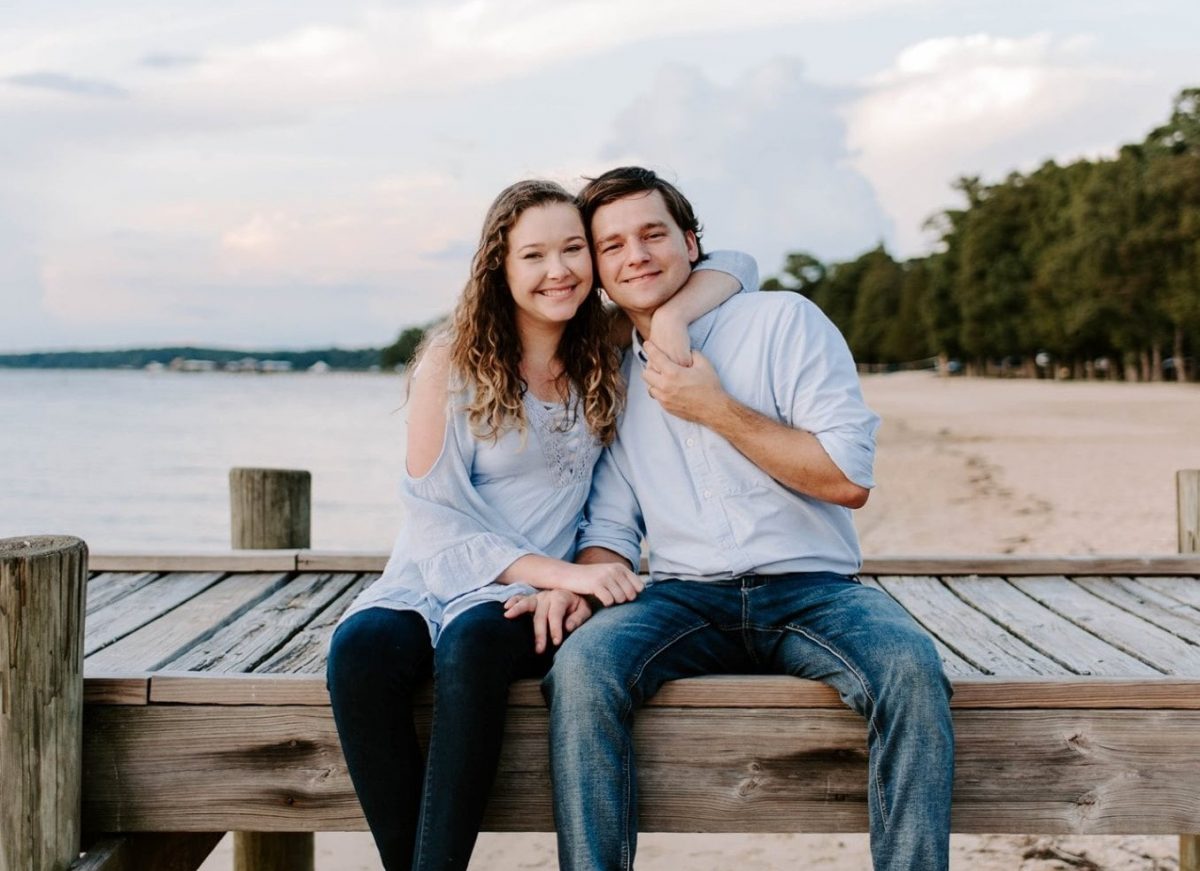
x: 509, y: 410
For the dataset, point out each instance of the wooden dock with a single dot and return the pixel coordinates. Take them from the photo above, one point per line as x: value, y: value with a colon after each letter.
x: 1077, y: 705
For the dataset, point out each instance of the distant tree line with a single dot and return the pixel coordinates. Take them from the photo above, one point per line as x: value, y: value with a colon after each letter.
x: 1087, y: 269
x: 139, y: 358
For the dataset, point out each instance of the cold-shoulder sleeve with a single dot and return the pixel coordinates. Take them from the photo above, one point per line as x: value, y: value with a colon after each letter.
x: 740, y: 265
x: 457, y: 541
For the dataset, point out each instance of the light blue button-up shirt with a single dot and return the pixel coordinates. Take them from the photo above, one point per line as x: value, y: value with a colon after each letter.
x: 707, y: 511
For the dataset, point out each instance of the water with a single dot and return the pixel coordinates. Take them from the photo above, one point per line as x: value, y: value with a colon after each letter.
x: 132, y: 460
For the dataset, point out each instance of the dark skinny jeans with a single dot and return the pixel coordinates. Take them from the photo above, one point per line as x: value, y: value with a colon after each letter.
x: 426, y: 815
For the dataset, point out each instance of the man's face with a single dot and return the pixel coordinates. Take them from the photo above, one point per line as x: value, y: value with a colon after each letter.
x: 642, y: 255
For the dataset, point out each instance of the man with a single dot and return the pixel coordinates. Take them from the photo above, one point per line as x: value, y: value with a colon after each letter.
x: 741, y: 471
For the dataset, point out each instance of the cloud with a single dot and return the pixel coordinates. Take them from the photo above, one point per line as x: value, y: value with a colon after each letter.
x: 983, y: 104
x: 67, y: 84
x: 764, y: 160
x: 166, y: 60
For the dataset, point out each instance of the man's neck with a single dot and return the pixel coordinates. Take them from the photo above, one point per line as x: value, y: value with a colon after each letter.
x: 641, y: 323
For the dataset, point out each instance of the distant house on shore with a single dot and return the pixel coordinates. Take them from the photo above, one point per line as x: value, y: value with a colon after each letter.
x: 319, y: 368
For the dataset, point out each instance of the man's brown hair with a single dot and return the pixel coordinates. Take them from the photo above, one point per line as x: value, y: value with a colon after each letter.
x: 626, y: 180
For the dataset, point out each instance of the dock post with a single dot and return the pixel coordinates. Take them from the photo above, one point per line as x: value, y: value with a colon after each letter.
x: 271, y: 509
x: 1187, y: 495
x: 42, y: 582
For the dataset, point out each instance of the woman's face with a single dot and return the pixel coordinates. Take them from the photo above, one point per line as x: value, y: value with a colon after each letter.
x: 548, y: 266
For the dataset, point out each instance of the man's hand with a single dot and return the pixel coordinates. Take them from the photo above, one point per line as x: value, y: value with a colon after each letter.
x: 693, y: 393
x: 556, y: 614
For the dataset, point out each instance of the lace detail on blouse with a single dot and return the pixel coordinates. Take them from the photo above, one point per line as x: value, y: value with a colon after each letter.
x: 568, y: 446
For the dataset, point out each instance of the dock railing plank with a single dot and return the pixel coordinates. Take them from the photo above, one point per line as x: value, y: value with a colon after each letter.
x: 171, y: 635
x: 1118, y: 627
x: 1178, y: 619
x: 306, y: 651
x: 135, y: 610
x: 965, y: 630
x: 255, y: 636
x: 1060, y: 639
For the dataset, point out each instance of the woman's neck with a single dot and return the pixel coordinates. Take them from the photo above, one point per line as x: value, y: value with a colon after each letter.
x: 540, y: 366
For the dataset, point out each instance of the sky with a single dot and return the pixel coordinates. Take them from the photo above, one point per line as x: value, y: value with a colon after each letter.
x: 268, y: 174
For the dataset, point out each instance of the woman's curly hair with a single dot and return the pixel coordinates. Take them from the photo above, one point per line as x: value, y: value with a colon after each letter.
x: 485, y: 348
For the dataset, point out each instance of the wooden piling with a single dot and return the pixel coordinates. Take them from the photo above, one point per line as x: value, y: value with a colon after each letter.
x: 271, y: 509
x: 1187, y: 496
x: 42, y: 582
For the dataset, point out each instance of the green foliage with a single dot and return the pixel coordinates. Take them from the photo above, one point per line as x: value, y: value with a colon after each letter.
x: 1096, y: 259
x: 402, y: 351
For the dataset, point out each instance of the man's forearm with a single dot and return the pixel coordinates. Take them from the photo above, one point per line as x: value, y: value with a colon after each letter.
x: 594, y: 555
x: 793, y: 457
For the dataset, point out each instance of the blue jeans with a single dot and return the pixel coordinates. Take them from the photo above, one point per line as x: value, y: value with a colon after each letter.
x: 426, y: 815
x: 819, y: 626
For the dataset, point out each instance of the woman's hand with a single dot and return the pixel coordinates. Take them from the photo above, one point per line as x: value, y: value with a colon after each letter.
x: 670, y: 334
x: 610, y: 583
x: 556, y: 614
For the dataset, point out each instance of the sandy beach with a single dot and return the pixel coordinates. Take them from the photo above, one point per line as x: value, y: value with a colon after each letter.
x: 964, y: 466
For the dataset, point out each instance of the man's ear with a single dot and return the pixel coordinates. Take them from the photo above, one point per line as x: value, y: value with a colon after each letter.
x: 693, y: 247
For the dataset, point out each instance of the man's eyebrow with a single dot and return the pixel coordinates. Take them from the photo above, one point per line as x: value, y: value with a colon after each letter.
x: 651, y: 225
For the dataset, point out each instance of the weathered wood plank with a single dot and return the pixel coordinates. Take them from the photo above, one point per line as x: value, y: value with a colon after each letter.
x: 174, y: 633
x: 215, y: 561
x: 1186, y: 590
x: 161, y: 851
x: 106, y: 587
x: 1175, y: 617
x: 1044, y: 630
x: 243, y: 643
x: 307, y: 650
x: 374, y: 561
x: 1119, y: 628
x: 135, y: 610
x: 718, y: 691
x: 116, y: 689
x: 340, y: 561
x: 966, y: 631
x: 280, y: 769
x: 953, y: 664
x: 1183, y: 564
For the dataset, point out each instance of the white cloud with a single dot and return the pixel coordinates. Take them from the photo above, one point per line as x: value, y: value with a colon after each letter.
x: 764, y: 161
x: 983, y: 104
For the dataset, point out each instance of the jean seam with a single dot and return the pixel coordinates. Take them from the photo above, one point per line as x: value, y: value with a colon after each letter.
x: 866, y: 687
x: 423, y: 828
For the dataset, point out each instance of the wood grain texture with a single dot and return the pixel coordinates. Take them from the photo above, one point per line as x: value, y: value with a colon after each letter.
x: 1078, y: 650
x: 280, y: 769
x: 270, y: 508
x: 1185, y: 590
x: 42, y: 582
x: 1180, y: 620
x: 1187, y: 509
x: 374, y: 561
x: 214, y: 561
x: 106, y: 587
x: 965, y: 630
x: 243, y: 643
x: 1116, y: 626
x: 305, y: 653
x: 273, y: 851
x: 171, y: 635
x: 718, y: 691
x: 160, y: 851
x: 133, y: 611
x: 116, y: 689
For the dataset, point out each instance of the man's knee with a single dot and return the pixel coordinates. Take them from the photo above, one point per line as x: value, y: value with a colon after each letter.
x: 587, y: 672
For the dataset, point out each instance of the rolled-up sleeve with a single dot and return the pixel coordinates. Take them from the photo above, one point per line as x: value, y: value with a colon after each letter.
x: 819, y: 388
x: 612, y: 518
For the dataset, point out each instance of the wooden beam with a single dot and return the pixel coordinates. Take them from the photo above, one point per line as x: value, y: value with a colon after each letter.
x: 721, y: 691
x: 162, y: 851
x: 215, y: 561
x: 371, y: 561
x: 280, y: 769
x: 1187, y: 519
x: 116, y: 689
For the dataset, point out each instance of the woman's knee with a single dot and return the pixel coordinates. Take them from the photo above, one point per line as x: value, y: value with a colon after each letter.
x: 377, y: 645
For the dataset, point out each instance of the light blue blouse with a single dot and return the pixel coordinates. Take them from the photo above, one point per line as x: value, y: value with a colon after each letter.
x: 484, y: 505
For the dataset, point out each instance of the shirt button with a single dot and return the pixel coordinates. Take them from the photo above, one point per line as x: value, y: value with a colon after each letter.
x: 690, y: 442
x: 708, y: 494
